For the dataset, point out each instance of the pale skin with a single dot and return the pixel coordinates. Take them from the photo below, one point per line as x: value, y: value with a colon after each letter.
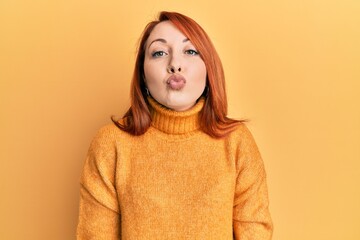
x: 175, y: 74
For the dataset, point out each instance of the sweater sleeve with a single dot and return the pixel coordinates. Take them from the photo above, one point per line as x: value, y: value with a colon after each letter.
x: 251, y: 216
x: 99, y: 214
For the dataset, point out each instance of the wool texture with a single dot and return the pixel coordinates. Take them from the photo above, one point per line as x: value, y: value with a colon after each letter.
x: 173, y: 182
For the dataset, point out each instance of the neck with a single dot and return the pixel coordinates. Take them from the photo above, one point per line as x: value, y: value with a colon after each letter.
x: 173, y: 122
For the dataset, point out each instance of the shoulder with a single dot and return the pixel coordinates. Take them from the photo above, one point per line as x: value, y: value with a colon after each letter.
x: 247, y: 152
x: 107, y: 131
x: 243, y: 139
x: 242, y: 133
x: 107, y: 136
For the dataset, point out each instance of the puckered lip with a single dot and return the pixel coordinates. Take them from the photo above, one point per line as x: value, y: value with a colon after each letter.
x: 175, y: 78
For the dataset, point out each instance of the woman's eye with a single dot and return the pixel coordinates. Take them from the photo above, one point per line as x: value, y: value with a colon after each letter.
x: 191, y: 52
x: 158, y: 54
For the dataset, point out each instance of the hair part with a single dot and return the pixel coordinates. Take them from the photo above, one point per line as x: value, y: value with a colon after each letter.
x: 213, y: 117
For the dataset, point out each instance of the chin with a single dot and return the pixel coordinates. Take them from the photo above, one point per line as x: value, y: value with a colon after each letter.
x: 177, y: 101
x: 180, y: 105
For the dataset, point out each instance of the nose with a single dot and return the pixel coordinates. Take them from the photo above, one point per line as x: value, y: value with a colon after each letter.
x: 174, y: 64
x: 172, y: 69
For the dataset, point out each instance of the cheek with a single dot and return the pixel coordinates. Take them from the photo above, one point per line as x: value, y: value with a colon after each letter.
x: 150, y: 76
x: 152, y: 72
x: 201, y: 72
x: 147, y: 71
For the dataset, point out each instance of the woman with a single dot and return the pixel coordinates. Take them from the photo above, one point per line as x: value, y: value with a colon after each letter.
x: 175, y: 167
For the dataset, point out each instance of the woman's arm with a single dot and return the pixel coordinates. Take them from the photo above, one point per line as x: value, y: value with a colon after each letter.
x: 251, y: 216
x: 99, y: 214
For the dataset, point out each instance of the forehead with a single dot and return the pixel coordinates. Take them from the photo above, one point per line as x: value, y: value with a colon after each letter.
x: 166, y: 30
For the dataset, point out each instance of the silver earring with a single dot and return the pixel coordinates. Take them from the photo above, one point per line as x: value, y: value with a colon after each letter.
x: 147, y: 91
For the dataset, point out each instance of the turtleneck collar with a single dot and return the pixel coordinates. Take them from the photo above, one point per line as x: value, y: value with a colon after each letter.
x: 173, y: 122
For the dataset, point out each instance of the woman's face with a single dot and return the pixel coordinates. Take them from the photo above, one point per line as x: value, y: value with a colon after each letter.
x: 174, y: 72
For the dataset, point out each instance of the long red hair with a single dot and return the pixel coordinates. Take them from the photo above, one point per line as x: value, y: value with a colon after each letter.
x: 213, y: 117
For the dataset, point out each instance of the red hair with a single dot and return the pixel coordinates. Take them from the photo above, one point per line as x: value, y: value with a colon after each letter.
x: 213, y: 117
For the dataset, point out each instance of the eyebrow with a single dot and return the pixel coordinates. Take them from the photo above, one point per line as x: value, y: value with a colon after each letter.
x: 164, y: 41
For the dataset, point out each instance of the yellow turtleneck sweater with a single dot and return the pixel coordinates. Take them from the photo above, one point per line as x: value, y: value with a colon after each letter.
x: 173, y: 182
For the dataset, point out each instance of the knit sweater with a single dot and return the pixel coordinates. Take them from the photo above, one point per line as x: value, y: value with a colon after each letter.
x: 173, y: 182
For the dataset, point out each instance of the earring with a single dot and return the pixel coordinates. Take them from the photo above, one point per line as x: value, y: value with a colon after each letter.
x: 147, y: 91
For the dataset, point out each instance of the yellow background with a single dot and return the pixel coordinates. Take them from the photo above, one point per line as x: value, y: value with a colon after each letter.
x: 292, y: 67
